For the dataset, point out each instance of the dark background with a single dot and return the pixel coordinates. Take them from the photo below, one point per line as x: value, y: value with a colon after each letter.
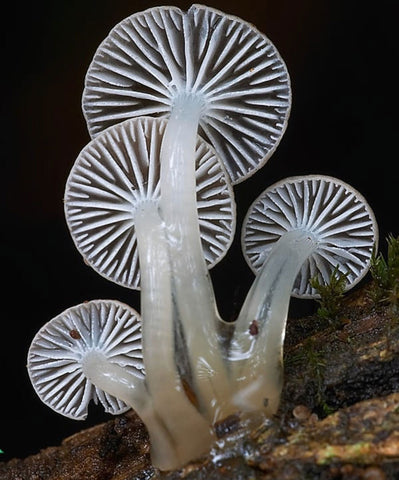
x: 342, y: 57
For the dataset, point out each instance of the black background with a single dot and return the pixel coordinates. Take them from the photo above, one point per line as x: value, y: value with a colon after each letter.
x: 342, y: 57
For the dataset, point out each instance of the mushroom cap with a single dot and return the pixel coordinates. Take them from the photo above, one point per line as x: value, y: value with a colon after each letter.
x: 58, y: 349
x: 334, y: 212
x: 152, y: 57
x: 117, y: 171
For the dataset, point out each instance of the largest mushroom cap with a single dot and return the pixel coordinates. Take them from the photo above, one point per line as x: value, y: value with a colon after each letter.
x: 335, y: 214
x: 57, y: 353
x: 119, y: 170
x: 152, y: 57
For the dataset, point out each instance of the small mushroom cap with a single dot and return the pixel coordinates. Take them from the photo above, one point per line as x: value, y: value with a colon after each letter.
x: 58, y: 349
x: 152, y: 57
x: 118, y: 171
x: 334, y: 212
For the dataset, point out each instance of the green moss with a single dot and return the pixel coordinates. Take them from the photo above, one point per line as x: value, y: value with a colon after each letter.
x: 314, y: 365
x: 331, y: 296
x: 385, y: 274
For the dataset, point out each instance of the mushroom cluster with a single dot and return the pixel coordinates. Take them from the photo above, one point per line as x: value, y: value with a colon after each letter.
x: 181, y: 106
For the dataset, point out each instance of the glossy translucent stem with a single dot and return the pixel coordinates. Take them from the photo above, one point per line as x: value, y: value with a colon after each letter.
x: 179, y: 417
x: 197, y: 315
x: 114, y: 380
x: 256, y: 352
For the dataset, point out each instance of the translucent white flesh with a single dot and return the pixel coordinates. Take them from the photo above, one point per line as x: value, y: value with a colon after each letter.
x: 192, y: 290
x: 113, y: 379
x: 256, y: 352
x: 179, y: 417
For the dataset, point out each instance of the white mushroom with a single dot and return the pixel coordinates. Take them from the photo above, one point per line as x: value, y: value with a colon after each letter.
x: 119, y: 171
x: 93, y: 351
x: 158, y: 59
x: 332, y: 211
x: 108, y: 330
x: 296, y: 229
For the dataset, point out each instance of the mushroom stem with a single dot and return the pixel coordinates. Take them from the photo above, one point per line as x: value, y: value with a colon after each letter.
x: 162, y: 380
x: 256, y: 352
x: 113, y: 379
x: 196, y: 311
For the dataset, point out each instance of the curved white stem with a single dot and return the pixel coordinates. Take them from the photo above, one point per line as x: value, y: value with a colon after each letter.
x: 116, y: 381
x: 197, y: 314
x: 169, y: 400
x: 113, y: 379
x: 256, y: 352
